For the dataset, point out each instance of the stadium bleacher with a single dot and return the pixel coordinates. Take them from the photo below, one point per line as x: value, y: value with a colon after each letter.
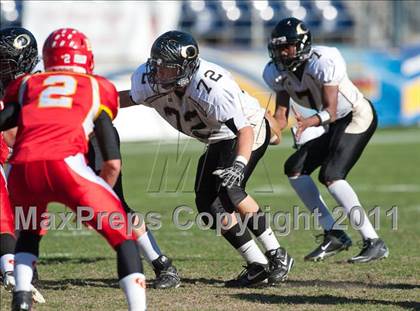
x: 11, y: 13
x: 234, y: 22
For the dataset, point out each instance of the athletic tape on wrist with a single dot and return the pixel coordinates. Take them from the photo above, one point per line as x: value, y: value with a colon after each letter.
x: 241, y: 159
x: 324, y: 117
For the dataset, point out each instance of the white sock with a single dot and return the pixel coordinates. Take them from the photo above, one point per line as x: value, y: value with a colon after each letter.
x: 6, y: 263
x: 24, y: 263
x: 268, y: 240
x: 251, y: 253
x: 310, y: 196
x: 344, y: 194
x: 134, y: 287
x: 148, y: 246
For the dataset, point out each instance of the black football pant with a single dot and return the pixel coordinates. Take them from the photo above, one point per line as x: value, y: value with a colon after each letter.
x: 211, y: 197
x: 336, y: 151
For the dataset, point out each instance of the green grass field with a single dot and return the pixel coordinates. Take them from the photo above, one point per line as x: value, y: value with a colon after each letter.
x: 78, y: 269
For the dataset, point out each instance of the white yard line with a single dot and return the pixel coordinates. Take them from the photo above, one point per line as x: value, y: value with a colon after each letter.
x: 52, y: 255
x: 279, y: 190
x: 72, y: 233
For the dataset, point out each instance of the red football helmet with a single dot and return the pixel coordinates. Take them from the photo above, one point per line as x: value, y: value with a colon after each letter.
x: 68, y: 48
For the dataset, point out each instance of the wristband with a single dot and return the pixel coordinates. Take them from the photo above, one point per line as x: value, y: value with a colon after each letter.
x: 241, y: 159
x: 324, y: 117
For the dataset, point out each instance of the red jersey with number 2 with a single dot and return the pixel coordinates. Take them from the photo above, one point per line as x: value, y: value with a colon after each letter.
x: 58, y: 111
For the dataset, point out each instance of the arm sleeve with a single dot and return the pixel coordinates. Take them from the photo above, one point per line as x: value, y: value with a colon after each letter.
x: 106, y: 137
x: 9, y: 116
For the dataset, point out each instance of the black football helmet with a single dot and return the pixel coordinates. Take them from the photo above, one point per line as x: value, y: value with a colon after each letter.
x: 18, y: 53
x: 290, y: 31
x: 173, y: 61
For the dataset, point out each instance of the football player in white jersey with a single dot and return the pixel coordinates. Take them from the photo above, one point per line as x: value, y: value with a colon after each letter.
x: 201, y: 100
x: 316, y: 78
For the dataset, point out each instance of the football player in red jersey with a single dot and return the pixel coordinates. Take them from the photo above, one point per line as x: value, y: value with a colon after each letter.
x: 55, y: 112
x: 18, y: 56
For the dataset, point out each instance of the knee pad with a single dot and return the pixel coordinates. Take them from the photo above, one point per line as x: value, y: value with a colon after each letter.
x: 213, y: 208
x: 291, y: 167
x: 231, y: 197
x: 28, y: 242
x: 128, y: 260
x: 7, y: 244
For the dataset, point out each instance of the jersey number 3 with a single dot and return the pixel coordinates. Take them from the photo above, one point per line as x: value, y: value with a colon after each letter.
x: 58, y: 92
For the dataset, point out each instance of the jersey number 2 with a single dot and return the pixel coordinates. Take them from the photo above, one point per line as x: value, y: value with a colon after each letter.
x: 58, y: 93
x: 209, y: 74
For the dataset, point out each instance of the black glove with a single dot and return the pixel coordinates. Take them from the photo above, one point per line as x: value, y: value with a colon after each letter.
x: 232, y: 175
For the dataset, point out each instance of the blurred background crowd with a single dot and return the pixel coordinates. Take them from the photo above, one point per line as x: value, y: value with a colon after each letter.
x: 380, y: 40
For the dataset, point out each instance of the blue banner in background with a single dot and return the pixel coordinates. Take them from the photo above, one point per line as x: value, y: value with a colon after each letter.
x: 390, y: 80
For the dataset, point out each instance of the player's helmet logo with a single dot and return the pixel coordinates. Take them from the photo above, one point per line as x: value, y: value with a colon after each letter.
x: 189, y: 52
x: 290, y: 31
x: 173, y: 61
x: 68, y: 49
x: 21, y: 41
x: 18, y: 53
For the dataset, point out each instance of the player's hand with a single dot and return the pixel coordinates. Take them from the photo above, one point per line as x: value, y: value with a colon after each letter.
x: 275, y: 130
x: 302, y: 123
x: 232, y: 175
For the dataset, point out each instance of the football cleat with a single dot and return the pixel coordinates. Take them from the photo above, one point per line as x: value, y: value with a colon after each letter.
x: 253, y: 274
x: 9, y: 284
x: 280, y: 264
x: 9, y: 281
x: 36, y: 295
x: 22, y: 301
x: 166, y: 274
x: 334, y: 242
x: 372, y: 249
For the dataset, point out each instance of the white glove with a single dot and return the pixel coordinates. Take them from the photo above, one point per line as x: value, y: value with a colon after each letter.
x: 232, y: 175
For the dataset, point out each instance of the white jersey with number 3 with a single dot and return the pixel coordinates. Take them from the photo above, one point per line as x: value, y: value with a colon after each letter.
x: 325, y: 66
x: 211, y: 100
